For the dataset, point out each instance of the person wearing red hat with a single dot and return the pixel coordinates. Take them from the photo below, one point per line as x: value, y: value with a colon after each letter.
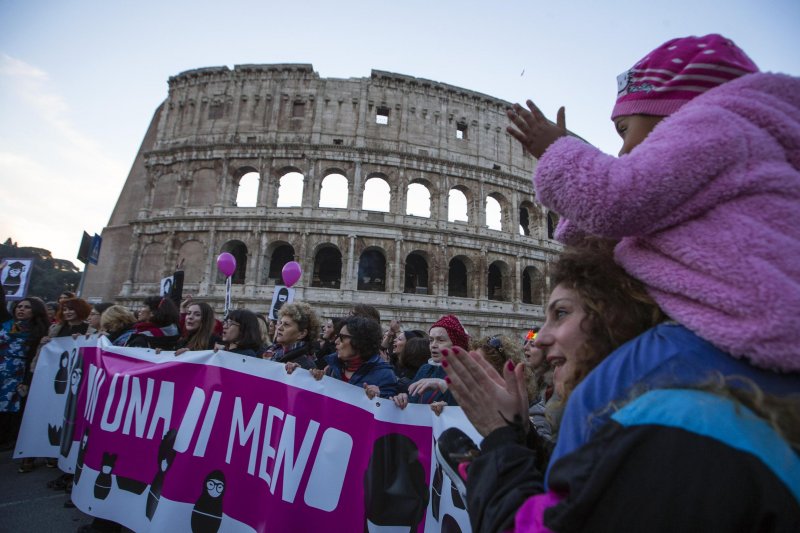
x: 429, y: 385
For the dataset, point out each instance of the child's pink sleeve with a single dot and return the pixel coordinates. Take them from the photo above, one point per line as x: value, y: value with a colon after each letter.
x: 647, y: 189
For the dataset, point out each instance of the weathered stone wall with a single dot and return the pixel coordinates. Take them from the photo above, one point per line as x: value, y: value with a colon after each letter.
x: 219, y: 124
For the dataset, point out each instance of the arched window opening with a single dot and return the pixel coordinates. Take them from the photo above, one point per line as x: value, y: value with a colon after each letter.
x: 495, y: 282
x: 239, y: 251
x: 457, y: 279
x: 552, y: 224
x: 418, y: 201
x: 290, y: 191
x: 493, y: 214
x: 334, y: 191
x: 457, y: 206
x: 247, y: 195
x: 280, y: 256
x: 532, y: 286
x: 372, y: 271
x: 327, y: 268
x: 377, y: 195
x: 416, y: 279
x: 524, y: 221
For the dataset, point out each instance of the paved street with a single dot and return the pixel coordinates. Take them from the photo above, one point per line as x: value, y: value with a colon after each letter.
x: 27, y: 505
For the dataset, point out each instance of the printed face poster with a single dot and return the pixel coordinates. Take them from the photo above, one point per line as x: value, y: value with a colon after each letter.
x: 15, y: 278
x: 220, y: 442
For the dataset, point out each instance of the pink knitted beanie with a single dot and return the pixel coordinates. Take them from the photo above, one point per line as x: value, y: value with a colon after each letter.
x: 677, y: 71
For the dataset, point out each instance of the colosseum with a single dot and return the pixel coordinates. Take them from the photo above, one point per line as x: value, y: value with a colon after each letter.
x: 400, y: 192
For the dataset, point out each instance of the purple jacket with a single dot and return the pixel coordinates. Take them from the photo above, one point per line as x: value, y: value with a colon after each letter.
x: 708, y: 212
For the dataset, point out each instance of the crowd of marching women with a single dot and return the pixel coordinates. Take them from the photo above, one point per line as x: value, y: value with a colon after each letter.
x: 661, y: 392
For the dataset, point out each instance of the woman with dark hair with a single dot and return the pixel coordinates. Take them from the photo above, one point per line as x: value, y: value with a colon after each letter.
x: 19, y: 338
x: 199, y: 324
x: 357, y: 360
x: 640, y: 412
x: 241, y: 334
x: 159, y: 329
x: 94, y: 317
x: 297, y: 327
x: 412, y: 352
x: 52, y: 309
x: 327, y: 345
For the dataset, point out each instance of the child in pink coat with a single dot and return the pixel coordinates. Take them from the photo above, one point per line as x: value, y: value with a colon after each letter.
x: 704, y: 196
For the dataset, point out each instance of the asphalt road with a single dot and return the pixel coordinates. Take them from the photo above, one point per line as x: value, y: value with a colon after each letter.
x: 27, y: 505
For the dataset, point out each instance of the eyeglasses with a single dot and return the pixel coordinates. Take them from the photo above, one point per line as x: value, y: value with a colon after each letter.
x: 343, y: 336
x: 229, y: 323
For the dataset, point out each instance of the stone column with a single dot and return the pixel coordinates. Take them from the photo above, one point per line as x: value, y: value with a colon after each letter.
x: 352, y: 271
x: 399, y: 274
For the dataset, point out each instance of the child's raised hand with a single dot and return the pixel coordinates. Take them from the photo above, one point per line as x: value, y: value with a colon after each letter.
x: 533, y: 130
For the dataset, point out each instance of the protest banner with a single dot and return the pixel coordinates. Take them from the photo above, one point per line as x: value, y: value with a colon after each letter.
x: 221, y: 442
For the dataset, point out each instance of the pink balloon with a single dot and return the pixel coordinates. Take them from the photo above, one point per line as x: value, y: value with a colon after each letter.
x: 226, y: 264
x: 291, y: 273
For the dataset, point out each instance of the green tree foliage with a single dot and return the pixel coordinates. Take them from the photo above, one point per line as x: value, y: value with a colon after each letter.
x: 50, y: 276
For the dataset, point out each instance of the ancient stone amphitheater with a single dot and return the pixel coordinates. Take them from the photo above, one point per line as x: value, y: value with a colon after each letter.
x: 377, y: 186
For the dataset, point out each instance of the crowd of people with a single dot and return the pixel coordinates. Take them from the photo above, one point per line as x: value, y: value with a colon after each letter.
x: 661, y: 391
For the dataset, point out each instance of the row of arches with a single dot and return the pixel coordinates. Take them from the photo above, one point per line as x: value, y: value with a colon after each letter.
x: 328, y: 271
x: 419, y: 198
x: 376, y: 196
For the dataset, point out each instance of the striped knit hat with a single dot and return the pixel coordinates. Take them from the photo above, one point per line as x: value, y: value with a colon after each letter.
x: 676, y: 72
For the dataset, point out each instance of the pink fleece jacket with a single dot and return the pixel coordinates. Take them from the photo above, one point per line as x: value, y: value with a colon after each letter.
x: 708, y: 212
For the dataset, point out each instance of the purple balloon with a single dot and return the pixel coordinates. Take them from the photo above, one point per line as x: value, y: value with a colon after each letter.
x: 226, y: 264
x: 291, y: 273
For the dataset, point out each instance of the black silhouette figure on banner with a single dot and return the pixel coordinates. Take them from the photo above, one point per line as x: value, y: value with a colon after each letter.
x: 457, y: 500
x: 54, y: 435
x: 13, y: 282
x: 102, y: 485
x: 395, y: 488
x: 436, y: 491
x: 207, y: 512
x: 81, y: 454
x: 71, y: 406
x: 166, y: 455
x: 60, y: 381
x: 450, y: 525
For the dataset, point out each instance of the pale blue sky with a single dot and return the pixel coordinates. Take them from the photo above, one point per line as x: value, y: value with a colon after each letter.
x: 80, y: 80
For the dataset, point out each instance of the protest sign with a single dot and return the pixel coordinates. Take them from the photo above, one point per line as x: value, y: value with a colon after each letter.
x: 216, y: 441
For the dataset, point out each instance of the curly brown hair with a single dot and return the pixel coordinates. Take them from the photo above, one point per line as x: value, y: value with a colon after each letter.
x: 305, y: 317
x: 81, y: 307
x: 617, y: 306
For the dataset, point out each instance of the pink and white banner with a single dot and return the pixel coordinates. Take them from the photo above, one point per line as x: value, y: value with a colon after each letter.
x: 219, y: 442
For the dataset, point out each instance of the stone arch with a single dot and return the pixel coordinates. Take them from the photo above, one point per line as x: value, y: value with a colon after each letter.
x: 377, y: 194
x: 334, y: 190
x: 204, y: 188
x: 165, y: 191
x: 327, y: 267
x: 193, y: 254
x: 458, y: 202
x: 497, y: 285
x: 280, y: 253
x: 290, y: 188
x: 372, y: 270
x: 416, y: 273
x: 552, y: 224
x: 529, y: 219
x: 418, y: 199
x: 533, y: 286
x: 246, y: 183
x: 460, y: 276
x: 152, y: 264
x: 499, y: 214
x: 238, y: 250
